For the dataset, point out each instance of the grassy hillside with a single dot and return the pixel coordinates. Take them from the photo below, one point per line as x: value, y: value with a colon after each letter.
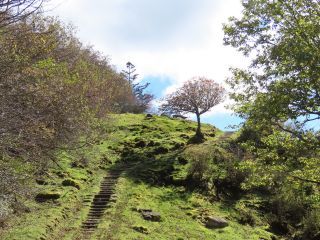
x: 155, y: 151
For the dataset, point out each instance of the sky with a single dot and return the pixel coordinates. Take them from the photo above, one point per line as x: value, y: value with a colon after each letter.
x: 169, y: 41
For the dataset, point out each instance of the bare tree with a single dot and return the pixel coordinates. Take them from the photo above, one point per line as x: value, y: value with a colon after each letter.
x: 12, y: 11
x: 197, y: 96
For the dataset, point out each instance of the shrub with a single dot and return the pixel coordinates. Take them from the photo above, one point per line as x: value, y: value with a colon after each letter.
x: 311, y: 225
x: 200, y: 165
x: 214, y: 168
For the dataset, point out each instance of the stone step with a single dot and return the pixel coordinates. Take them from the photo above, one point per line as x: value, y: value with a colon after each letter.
x: 89, y: 224
x: 100, y: 201
x: 102, y: 195
x: 97, y: 215
x: 97, y: 208
x: 98, y: 204
x: 91, y: 221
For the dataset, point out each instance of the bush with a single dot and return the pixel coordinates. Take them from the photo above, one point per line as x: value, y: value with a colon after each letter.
x: 246, y: 215
x: 311, y: 225
x: 213, y: 168
x: 200, y: 163
x: 293, y: 212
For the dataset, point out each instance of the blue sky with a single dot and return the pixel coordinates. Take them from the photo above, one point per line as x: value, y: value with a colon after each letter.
x: 169, y: 41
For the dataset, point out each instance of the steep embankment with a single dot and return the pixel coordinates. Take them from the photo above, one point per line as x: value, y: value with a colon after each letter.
x: 148, y: 162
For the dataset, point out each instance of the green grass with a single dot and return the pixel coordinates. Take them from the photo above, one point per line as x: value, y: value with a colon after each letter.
x: 154, y: 146
x: 180, y: 212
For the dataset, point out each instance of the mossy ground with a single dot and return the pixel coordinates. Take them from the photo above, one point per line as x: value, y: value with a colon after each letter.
x: 153, y: 147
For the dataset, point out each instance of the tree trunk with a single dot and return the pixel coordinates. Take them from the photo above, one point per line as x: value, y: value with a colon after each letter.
x: 198, y: 133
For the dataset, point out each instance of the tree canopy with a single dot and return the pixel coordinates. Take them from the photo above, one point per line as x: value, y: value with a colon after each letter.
x: 197, y: 96
x: 53, y: 90
x: 278, y: 96
x: 282, y: 83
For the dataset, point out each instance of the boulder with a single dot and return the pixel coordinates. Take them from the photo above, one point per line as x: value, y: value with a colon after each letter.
x: 216, y: 222
x: 150, y: 215
x: 46, y: 196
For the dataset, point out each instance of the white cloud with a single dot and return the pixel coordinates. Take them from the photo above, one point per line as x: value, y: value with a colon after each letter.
x: 176, y: 38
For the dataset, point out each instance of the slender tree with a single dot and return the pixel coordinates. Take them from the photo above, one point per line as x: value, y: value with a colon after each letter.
x: 129, y: 73
x: 141, y: 100
x: 197, y: 96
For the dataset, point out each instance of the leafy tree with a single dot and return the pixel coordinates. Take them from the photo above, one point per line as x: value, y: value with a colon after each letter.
x: 280, y: 90
x: 197, y: 96
x: 282, y: 83
x: 278, y: 95
x: 53, y: 91
x: 141, y: 100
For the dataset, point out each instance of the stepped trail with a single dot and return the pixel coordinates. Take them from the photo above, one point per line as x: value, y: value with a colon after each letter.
x: 100, y: 202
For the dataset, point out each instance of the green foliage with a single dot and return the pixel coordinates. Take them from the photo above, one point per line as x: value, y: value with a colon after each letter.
x: 215, y: 169
x: 200, y: 164
x: 282, y: 83
x: 246, y: 215
x: 53, y: 91
x: 278, y: 95
x: 311, y: 225
x: 288, y: 169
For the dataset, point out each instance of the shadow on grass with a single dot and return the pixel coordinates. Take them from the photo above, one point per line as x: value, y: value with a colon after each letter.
x: 150, y: 168
x: 145, y: 164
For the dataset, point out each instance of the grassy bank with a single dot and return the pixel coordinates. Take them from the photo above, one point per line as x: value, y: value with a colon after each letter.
x: 154, y: 148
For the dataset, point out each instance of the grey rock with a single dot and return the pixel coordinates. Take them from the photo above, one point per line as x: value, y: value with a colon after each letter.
x: 150, y: 215
x: 216, y: 222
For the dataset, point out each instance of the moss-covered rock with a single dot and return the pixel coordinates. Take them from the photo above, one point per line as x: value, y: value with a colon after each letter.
x: 41, y: 181
x: 47, y: 195
x: 161, y: 150
x: 213, y: 222
x: 140, y: 144
x: 150, y: 215
x: 70, y: 182
x: 141, y: 229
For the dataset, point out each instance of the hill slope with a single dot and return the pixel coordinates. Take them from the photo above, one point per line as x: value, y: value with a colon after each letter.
x: 153, y: 154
